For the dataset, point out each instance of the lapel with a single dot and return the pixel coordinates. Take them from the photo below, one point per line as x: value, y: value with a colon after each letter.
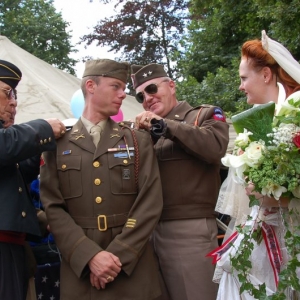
x: 81, y: 138
x: 111, y: 135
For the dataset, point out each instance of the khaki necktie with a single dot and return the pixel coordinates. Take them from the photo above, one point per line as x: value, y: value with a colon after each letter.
x: 95, y: 134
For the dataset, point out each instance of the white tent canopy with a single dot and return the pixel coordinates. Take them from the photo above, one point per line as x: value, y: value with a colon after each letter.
x: 45, y: 91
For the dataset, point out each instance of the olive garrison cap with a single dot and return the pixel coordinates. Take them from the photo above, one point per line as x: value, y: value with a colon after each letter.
x: 141, y: 74
x: 9, y: 73
x: 107, y: 68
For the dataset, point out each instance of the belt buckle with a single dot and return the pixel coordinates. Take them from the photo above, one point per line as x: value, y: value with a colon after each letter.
x: 105, y: 222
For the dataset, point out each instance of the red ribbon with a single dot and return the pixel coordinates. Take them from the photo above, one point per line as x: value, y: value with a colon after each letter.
x: 273, y: 249
x: 217, y: 253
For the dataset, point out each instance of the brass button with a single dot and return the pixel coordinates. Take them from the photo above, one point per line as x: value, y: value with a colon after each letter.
x: 63, y: 166
x: 177, y: 116
x: 45, y: 141
x: 96, y: 164
x: 20, y: 190
x: 17, y: 165
x: 23, y: 214
x: 125, y: 161
x: 49, y: 139
x: 97, y: 181
x: 98, y: 200
x: 41, y: 142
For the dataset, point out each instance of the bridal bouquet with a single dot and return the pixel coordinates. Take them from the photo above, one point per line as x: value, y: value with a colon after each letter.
x: 267, y: 154
x: 267, y: 149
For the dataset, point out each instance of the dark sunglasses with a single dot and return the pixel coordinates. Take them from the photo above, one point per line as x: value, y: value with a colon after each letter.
x: 150, y: 89
x: 10, y: 93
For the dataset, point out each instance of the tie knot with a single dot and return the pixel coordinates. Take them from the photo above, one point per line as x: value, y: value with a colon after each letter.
x: 95, y: 134
x: 96, y: 128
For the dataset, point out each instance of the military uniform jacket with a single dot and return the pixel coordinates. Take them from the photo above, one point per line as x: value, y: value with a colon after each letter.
x: 189, y: 157
x: 20, y: 149
x: 96, y: 199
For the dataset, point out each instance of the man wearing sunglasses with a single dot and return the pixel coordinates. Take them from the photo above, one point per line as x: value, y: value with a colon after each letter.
x: 20, y: 149
x: 189, y: 144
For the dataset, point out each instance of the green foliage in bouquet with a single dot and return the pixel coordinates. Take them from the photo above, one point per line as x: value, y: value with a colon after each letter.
x: 257, y: 120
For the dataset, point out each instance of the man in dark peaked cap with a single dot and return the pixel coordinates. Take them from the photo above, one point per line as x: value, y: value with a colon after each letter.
x: 102, y: 194
x: 189, y: 143
x: 20, y: 149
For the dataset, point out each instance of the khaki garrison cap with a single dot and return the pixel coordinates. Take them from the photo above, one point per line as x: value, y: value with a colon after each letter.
x: 141, y: 74
x: 107, y: 68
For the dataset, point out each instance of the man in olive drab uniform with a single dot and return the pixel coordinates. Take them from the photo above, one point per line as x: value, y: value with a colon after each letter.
x: 104, y: 198
x: 189, y: 144
x: 20, y: 149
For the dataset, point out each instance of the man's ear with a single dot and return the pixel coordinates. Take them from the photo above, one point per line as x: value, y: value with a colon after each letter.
x: 172, y: 85
x: 89, y: 85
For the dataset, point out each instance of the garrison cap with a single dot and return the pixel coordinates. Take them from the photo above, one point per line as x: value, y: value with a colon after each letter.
x: 9, y: 73
x: 141, y: 74
x: 107, y: 68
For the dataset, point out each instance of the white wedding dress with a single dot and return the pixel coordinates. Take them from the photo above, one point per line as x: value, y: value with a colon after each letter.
x: 233, y: 201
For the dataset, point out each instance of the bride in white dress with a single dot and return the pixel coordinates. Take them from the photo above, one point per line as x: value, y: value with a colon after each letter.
x: 268, y: 72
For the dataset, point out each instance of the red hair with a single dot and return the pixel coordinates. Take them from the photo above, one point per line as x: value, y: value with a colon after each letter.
x: 259, y: 58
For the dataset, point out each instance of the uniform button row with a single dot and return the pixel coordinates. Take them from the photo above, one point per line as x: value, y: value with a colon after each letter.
x: 96, y: 164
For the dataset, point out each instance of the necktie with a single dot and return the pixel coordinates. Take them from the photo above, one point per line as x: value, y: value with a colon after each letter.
x: 95, y: 134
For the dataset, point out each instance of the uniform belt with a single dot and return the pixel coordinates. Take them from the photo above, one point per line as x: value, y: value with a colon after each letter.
x: 12, y: 237
x: 102, y: 222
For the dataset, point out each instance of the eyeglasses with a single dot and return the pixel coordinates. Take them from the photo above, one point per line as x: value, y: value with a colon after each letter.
x: 150, y: 89
x: 10, y: 93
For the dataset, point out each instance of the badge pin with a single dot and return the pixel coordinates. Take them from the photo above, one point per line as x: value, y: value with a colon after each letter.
x: 123, y: 154
x: 79, y: 137
x: 66, y: 152
x: 126, y: 174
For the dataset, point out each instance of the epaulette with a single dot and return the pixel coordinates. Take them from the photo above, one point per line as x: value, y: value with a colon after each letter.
x: 217, y: 113
x: 128, y: 124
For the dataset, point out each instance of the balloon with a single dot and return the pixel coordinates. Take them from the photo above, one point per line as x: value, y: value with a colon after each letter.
x: 77, y: 103
x: 118, y: 117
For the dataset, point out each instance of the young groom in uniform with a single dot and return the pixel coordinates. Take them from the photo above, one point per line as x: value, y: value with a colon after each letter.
x: 102, y: 194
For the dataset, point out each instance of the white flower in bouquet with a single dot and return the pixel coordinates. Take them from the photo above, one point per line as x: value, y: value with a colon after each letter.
x: 242, y: 139
x: 254, y: 153
x: 273, y: 190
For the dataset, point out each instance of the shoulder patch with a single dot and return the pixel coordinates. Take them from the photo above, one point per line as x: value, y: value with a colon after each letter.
x: 219, y: 115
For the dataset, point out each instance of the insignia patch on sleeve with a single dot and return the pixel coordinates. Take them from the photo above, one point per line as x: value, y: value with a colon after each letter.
x: 131, y: 223
x: 219, y: 115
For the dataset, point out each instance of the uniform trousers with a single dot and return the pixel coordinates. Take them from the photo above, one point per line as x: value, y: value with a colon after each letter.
x: 181, y: 247
x: 13, y: 272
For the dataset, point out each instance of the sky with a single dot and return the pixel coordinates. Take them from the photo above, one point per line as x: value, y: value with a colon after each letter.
x: 83, y: 15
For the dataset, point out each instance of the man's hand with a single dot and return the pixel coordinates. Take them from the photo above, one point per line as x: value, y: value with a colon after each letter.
x: 104, y: 268
x: 59, y: 129
x: 143, y: 120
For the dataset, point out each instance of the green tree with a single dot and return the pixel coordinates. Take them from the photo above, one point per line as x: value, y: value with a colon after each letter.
x: 217, y: 31
x: 35, y: 26
x: 144, y: 32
